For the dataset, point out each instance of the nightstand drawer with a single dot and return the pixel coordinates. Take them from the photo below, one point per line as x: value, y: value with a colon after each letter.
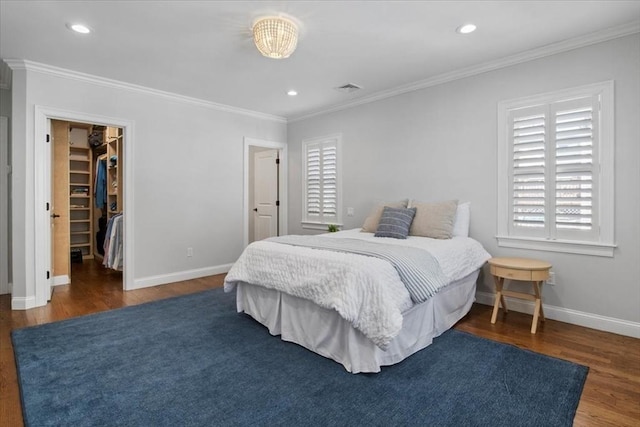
x: 510, y: 273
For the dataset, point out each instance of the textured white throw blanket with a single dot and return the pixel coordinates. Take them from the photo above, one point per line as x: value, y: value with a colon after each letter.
x: 365, y: 291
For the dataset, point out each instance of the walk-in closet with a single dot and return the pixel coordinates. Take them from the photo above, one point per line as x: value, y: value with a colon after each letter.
x: 87, y: 211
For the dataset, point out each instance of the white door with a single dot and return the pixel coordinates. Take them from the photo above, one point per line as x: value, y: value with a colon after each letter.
x: 265, y: 198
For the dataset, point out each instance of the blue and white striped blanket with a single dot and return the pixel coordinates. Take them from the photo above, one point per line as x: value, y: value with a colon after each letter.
x: 419, y: 271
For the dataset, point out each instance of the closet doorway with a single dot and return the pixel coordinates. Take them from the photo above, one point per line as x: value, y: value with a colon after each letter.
x: 39, y: 208
x: 86, y: 219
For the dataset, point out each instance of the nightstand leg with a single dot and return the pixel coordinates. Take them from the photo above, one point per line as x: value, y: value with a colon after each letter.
x: 538, y: 311
x: 537, y: 288
x: 499, y: 299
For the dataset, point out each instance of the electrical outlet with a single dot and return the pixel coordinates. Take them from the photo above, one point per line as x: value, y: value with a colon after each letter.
x: 552, y: 278
x: 349, y: 211
x: 189, y: 252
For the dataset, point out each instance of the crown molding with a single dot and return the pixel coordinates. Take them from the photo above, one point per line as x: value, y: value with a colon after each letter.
x: 541, y: 52
x: 23, y: 64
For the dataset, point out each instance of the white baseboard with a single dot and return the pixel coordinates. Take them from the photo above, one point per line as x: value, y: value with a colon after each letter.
x: 179, y: 276
x: 580, y: 318
x: 61, y: 280
x: 23, y: 303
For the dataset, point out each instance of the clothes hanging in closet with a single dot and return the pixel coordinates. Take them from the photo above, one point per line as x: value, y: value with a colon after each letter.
x: 100, y: 192
x: 113, y: 253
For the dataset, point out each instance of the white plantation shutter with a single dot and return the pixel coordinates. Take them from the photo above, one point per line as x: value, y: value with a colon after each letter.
x: 528, y: 166
x: 321, y: 180
x: 329, y: 180
x: 576, y: 138
x: 313, y: 180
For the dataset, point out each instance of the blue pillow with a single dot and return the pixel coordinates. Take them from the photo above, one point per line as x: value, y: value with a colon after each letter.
x: 395, y: 222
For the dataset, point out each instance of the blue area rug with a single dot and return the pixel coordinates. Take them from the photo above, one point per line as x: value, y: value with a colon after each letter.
x: 194, y: 361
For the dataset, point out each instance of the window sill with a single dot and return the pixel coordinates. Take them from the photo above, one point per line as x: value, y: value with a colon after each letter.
x: 318, y: 225
x: 564, y: 246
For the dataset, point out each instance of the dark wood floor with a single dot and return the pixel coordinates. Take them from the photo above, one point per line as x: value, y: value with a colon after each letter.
x: 611, y: 395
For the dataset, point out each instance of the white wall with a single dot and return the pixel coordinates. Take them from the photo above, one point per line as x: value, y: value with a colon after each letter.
x: 187, y: 173
x: 440, y: 143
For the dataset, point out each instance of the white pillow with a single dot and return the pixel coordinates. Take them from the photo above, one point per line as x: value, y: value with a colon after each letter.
x: 461, y: 223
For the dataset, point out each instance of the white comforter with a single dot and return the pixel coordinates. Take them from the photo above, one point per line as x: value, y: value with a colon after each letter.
x: 365, y: 291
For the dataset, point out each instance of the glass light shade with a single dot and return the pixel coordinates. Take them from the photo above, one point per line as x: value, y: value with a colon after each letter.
x: 275, y: 37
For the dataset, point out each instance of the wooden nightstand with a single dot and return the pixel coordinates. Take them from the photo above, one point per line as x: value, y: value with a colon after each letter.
x: 523, y: 269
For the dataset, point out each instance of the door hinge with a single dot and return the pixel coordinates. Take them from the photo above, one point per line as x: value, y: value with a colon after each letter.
x: 47, y: 205
x: 277, y: 202
x: 277, y: 161
x: 48, y: 274
x: 48, y: 137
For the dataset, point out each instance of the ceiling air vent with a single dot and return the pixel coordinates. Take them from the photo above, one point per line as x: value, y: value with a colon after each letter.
x: 348, y: 88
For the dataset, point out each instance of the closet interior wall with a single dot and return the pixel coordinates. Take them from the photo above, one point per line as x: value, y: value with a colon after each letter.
x: 109, y: 152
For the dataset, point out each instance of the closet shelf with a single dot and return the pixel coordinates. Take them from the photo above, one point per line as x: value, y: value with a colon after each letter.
x: 80, y: 245
x: 80, y: 172
x: 79, y: 221
x: 80, y: 232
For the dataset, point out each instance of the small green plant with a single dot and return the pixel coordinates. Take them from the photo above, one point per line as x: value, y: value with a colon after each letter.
x: 332, y: 228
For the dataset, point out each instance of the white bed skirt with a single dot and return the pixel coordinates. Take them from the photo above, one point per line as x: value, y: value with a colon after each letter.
x: 324, y: 332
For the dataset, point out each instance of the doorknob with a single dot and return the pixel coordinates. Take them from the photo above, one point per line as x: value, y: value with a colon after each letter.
x: 55, y: 215
x: 255, y: 209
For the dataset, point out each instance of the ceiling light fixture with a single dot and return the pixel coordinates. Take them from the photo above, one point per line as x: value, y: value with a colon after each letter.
x: 466, y: 29
x: 79, y: 28
x: 275, y: 37
x: 292, y: 93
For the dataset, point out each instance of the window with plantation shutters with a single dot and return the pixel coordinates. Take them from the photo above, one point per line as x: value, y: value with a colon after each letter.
x: 321, y: 181
x: 555, y: 171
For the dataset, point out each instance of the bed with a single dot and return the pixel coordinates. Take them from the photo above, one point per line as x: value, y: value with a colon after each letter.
x: 353, y: 306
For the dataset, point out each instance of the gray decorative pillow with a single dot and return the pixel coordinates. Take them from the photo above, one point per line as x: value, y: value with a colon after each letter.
x: 395, y: 222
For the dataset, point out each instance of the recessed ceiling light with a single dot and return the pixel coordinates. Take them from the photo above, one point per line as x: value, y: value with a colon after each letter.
x: 292, y: 93
x: 79, y: 28
x: 466, y: 29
